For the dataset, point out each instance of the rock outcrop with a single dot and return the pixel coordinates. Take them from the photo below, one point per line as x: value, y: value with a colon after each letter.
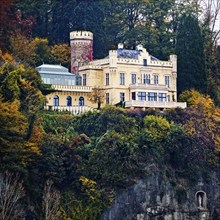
x: 157, y: 198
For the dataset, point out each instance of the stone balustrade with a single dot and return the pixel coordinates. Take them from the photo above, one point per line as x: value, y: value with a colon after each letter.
x: 148, y: 86
x: 72, y: 88
x: 153, y: 104
x: 71, y: 109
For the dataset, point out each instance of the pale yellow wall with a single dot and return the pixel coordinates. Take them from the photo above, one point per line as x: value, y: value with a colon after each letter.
x: 114, y: 88
x: 97, y: 78
x: 75, y: 98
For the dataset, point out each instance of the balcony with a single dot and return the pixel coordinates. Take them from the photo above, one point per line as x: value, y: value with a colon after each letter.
x: 71, y: 109
x: 141, y: 86
x: 72, y: 88
x: 153, y: 104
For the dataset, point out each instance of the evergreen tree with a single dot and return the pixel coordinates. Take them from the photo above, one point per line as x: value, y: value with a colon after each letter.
x: 190, y: 52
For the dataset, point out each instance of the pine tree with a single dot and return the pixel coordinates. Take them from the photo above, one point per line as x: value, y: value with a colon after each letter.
x: 190, y: 51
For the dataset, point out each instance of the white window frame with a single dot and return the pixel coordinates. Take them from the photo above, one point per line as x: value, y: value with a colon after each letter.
x: 122, y: 78
x: 107, y: 100
x: 107, y: 79
x: 156, y: 79
x: 122, y: 96
x: 133, y: 78
x: 162, y: 97
x: 84, y: 79
x: 152, y: 96
x: 167, y: 80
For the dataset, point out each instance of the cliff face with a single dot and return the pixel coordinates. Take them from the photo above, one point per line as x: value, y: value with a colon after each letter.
x: 155, y: 198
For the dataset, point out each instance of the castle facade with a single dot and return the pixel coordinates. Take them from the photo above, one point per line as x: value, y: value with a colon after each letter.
x: 132, y: 78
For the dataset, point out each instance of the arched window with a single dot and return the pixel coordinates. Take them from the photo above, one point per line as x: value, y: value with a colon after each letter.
x: 56, y: 100
x: 69, y: 101
x: 81, y: 101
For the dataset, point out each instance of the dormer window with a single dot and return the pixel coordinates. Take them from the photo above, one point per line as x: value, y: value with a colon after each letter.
x: 145, y: 62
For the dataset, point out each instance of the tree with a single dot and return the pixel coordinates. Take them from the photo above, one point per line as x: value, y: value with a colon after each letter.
x: 200, y: 123
x: 31, y: 52
x: 61, y: 54
x: 6, y: 23
x: 190, y: 52
x: 11, y: 192
x: 211, y: 33
x: 97, y: 96
x: 119, y: 159
x: 140, y: 22
x: 158, y: 33
x: 51, y: 202
x: 152, y: 137
x: 20, y: 99
x: 194, y: 98
x: 131, y: 22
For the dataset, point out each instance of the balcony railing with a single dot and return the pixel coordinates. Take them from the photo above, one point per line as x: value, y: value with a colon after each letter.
x: 148, y: 86
x: 154, y: 104
x: 73, y: 88
x: 71, y: 109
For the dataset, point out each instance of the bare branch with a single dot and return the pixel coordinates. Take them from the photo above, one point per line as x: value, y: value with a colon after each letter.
x: 51, y: 202
x: 11, y: 191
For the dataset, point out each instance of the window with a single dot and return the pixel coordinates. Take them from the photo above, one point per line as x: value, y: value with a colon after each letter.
x: 84, y: 80
x: 133, y: 95
x: 122, y: 97
x: 78, y: 79
x: 133, y: 78
x: 155, y: 79
x: 81, y: 101
x: 107, y: 98
x: 56, y: 100
x: 147, y: 78
x: 162, y: 97
x: 142, y: 96
x: 145, y: 62
x: 152, y: 96
x: 107, y: 79
x: 168, y: 98
x: 167, y: 81
x: 122, y: 78
x: 68, y: 101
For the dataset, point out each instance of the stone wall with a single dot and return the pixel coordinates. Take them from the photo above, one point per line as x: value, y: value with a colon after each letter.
x: 155, y: 198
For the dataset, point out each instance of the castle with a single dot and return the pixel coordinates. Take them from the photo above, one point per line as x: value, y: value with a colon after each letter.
x: 133, y: 78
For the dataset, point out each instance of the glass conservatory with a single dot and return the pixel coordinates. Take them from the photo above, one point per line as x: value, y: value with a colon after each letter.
x: 57, y: 75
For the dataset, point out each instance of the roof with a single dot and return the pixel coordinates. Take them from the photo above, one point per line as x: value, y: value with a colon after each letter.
x: 53, y: 69
x: 133, y: 54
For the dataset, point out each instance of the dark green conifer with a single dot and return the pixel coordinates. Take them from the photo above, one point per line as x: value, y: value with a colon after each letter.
x: 190, y: 52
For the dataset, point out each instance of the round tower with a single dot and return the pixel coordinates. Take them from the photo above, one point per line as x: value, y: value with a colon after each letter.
x: 81, y: 43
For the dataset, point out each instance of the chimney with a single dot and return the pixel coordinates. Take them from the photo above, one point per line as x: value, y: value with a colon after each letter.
x: 139, y: 47
x: 120, y: 46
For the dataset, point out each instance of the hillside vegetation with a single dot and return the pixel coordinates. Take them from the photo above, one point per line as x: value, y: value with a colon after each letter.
x: 72, y: 166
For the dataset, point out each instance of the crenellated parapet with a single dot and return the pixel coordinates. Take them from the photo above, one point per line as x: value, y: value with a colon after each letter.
x: 81, y: 35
